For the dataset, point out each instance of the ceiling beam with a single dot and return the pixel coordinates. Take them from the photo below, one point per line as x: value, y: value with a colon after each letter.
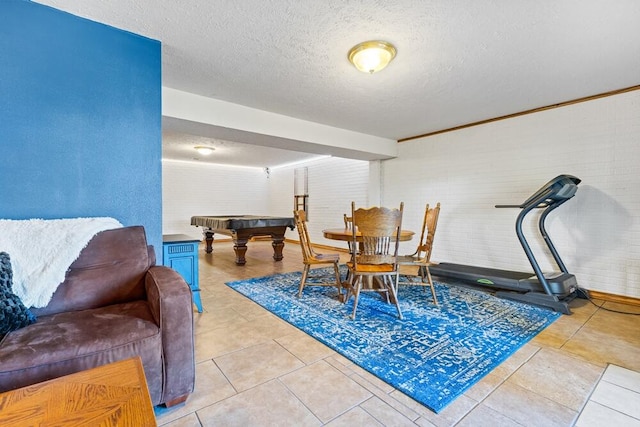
x: 197, y: 115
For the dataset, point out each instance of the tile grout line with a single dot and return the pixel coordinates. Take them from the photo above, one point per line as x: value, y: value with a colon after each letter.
x: 298, y: 399
x: 588, y: 399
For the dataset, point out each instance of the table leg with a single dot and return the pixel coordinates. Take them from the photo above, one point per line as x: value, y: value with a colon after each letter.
x: 278, y: 245
x: 196, y: 299
x: 208, y: 238
x: 240, y: 248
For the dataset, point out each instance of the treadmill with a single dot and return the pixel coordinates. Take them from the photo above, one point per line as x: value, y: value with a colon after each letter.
x: 550, y: 290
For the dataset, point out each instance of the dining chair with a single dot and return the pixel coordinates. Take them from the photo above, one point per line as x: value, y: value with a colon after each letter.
x: 417, y: 264
x: 348, y: 222
x: 310, y: 257
x: 376, y: 259
x: 348, y: 225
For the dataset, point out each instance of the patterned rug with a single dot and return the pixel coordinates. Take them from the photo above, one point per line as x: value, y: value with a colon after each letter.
x: 433, y: 355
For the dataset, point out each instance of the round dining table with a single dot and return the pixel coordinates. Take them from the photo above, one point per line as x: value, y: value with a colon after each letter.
x: 346, y: 235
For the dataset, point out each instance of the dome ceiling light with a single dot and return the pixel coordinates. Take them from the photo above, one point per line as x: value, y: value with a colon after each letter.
x: 372, y: 56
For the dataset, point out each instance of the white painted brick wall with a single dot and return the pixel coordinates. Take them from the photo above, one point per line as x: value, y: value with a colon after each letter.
x: 189, y: 189
x: 333, y: 184
x: 471, y: 170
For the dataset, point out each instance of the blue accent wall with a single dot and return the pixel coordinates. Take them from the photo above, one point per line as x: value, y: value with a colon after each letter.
x: 80, y: 119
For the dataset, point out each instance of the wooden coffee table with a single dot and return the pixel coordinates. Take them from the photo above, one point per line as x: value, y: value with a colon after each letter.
x: 110, y: 395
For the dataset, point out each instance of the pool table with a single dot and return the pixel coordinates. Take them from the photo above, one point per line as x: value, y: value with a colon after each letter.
x: 243, y: 227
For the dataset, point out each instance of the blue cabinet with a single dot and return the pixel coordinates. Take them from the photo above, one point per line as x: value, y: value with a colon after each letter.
x: 180, y: 252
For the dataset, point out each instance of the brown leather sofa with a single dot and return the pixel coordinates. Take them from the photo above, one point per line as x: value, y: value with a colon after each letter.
x: 115, y: 303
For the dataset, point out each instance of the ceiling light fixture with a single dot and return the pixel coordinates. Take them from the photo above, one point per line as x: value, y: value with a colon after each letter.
x: 372, y: 56
x: 204, y: 150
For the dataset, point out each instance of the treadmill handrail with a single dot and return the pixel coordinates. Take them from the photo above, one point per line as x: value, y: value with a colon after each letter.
x: 527, y: 248
x: 542, y: 197
x: 545, y: 198
x: 540, y: 206
x: 547, y: 238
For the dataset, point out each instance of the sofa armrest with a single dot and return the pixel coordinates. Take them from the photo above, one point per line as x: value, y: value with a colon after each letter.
x: 170, y: 301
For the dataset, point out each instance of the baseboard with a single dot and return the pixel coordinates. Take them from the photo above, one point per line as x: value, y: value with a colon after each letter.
x: 218, y: 240
x: 268, y: 239
x: 622, y: 299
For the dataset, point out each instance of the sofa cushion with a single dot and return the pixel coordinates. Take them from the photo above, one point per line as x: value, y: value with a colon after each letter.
x: 13, y: 314
x: 69, y: 342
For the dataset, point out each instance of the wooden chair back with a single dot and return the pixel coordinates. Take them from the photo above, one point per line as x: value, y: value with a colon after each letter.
x: 429, y: 224
x: 379, y: 229
x: 348, y: 222
x: 348, y: 225
x: 300, y: 218
x: 310, y: 257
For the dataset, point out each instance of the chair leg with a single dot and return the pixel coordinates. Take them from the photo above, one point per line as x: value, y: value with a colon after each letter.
x: 338, y: 280
x: 423, y: 278
x: 433, y: 289
x: 388, y: 284
x: 305, y: 272
x: 397, y: 283
x: 356, y: 294
x: 395, y: 294
x: 349, y: 284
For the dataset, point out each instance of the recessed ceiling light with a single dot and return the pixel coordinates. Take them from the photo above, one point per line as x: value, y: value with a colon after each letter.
x: 204, y: 150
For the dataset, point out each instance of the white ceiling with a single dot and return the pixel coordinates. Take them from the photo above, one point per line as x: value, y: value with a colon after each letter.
x: 180, y: 146
x: 458, y: 62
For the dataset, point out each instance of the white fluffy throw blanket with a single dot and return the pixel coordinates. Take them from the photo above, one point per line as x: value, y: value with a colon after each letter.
x: 41, y: 252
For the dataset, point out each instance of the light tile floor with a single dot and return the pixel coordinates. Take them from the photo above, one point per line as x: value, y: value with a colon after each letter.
x: 254, y: 369
x: 615, y: 400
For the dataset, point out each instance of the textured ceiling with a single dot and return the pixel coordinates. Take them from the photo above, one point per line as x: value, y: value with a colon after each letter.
x: 180, y: 146
x: 458, y: 62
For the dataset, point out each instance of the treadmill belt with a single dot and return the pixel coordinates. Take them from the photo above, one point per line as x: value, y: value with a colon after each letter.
x: 502, y: 279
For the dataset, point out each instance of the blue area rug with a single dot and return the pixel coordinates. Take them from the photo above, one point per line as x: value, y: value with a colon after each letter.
x: 433, y: 355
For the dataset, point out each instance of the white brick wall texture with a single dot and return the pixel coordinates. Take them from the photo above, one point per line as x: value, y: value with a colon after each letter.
x: 189, y: 189
x: 333, y: 184
x: 504, y: 162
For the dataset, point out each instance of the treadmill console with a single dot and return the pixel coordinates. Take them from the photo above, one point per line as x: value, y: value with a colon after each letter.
x: 562, y: 187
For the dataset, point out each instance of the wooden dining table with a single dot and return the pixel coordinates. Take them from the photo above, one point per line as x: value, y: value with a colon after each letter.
x: 346, y: 235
